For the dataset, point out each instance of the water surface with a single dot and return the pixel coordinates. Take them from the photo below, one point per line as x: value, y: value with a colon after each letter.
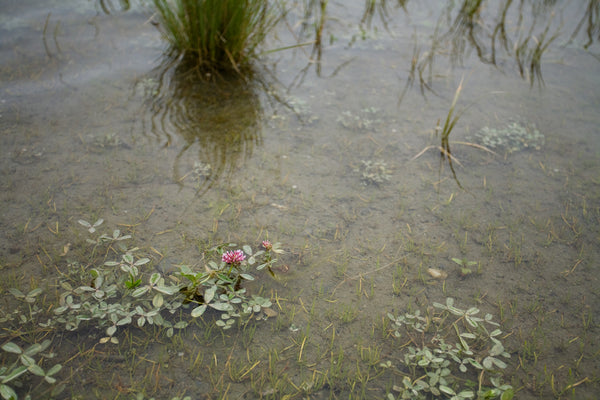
x: 97, y: 123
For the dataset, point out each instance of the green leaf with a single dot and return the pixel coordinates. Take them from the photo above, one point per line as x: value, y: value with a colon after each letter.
x: 142, y: 261
x: 473, y: 311
x: 111, y: 330
x: 33, y: 349
x: 497, y: 349
x: 438, y: 305
x: 58, y: 389
x: 198, y: 311
x: 499, y: 363
x: 133, y: 284
x: 54, y: 370
x: 261, y: 266
x: 447, y: 390
x: 496, y: 332
x: 7, y: 393
x: 487, y: 363
x: 27, y: 360
x: 140, y: 291
x: 507, y: 395
x: 12, y: 348
x: 154, y: 278
x: 468, y: 335
x: 466, y: 394
x: 221, y: 306
x: 34, y: 292
x: 17, y: 293
x: 247, y: 277
x: 475, y: 363
x: 128, y: 258
x: 247, y: 249
x: 209, y: 294
x: 157, y: 300
x: 15, y: 373
x: 36, y: 370
x: 168, y: 290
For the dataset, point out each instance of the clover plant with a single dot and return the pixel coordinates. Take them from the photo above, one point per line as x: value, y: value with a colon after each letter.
x: 454, y: 355
x: 24, y: 363
x: 125, y: 291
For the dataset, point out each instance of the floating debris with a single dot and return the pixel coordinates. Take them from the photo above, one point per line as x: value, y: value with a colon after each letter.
x: 437, y: 273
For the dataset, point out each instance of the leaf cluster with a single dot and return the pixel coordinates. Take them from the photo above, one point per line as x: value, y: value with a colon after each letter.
x: 24, y: 363
x: 453, y: 356
x: 219, y: 286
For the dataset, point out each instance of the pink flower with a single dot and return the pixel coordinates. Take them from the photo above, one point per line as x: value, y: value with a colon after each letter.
x: 235, y: 256
x: 267, y: 245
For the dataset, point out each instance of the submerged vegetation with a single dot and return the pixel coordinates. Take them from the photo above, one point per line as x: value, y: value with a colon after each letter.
x: 116, y: 294
x: 366, y: 310
x: 451, y: 355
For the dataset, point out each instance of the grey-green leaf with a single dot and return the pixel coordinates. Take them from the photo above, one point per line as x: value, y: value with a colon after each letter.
x: 12, y: 348
x: 209, y: 294
x: 14, y: 374
x: 447, y: 390
x: 7, y: 393
x: 198, y: 311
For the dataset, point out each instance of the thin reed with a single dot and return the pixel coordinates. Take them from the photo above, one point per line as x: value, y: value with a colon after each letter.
x: 215, y: 34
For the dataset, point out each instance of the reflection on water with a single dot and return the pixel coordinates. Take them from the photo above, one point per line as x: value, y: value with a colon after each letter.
x: 110, y: 6
x: 521, y: 30
x: 494, y: 31
x: 218, y: 119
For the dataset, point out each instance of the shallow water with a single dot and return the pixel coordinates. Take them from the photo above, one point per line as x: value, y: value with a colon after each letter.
x: 95, y: 123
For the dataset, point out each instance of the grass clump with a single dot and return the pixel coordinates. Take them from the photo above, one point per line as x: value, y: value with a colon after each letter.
x: 215, y: 34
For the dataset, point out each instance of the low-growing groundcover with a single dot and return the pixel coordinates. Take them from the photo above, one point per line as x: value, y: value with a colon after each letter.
x: 120, y: 293
x: 449, y: 354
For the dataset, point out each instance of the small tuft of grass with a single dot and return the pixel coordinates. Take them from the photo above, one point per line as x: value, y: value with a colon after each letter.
x: 215, y: 34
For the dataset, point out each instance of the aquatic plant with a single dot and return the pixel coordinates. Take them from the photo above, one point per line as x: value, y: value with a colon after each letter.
x: 215, y: 34
x: 444, y: 133
x: 515, y: 136
x: 471, y: 368
x: 25, y: 363
x: 465, y: 265
x: 373, y: 172
x: 122, y: 292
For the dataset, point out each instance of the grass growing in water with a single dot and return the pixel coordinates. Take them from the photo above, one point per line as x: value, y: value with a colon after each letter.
x: 215, y: 34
